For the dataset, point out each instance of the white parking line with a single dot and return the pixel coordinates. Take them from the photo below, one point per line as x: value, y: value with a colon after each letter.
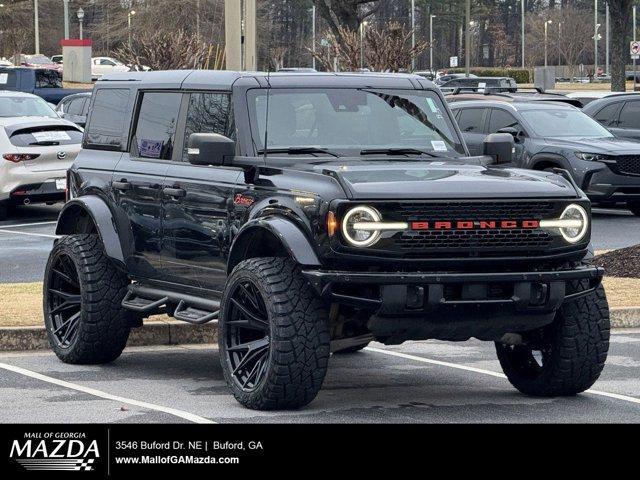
x: 44, y: 235
x: 107, y: 396
x: 482, y: 371
x: 35, y: 224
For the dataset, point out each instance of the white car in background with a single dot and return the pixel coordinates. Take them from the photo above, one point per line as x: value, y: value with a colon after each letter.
x: 37, y: 148
x: 103, y: 65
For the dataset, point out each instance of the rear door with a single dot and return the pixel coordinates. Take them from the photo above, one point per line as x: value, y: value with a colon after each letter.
x: 138, y: 177
x: 198, y: 200
x: 472, y: 126
x: 608, y: 116
x: 628, y: 124
x: 73, y: 110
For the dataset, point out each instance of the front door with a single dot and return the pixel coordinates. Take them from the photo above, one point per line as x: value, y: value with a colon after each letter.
x: 138, y: 178
x: 198, y: 202
x: 471, y: 121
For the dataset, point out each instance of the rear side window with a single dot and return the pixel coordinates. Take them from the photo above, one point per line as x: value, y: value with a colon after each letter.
x: 75, y: 106
x: 630, y: 115
x: 48, y: 79
x: 107, y: 122
x: 45, y: 136
x: 156, y: 127
x: 472, y: 120
x: 207, y: 113
x: 608, y: 115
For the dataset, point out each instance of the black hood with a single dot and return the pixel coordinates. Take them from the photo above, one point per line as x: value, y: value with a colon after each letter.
x: 610, y: 146
x: 441, y: 180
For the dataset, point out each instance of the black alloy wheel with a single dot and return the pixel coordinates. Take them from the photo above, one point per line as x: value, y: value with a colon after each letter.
x: 64, y: 300
x: 248, y: 337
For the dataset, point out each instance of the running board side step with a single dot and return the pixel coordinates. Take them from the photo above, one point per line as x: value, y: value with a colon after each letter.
x: 151, y: 301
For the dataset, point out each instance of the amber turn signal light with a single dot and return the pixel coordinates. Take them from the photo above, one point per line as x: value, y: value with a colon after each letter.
x: 332, y: 224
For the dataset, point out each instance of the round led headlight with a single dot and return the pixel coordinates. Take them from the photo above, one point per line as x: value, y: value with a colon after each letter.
x: 577, y: 222
x: 360, y: 215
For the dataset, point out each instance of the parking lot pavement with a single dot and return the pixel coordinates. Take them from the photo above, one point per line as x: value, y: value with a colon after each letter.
x: 429, y: 382
x: 26, y: 239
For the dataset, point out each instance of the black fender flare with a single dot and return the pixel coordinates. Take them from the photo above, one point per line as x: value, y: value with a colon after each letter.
x: 290, y: 236
x: 559, y: 160
x: 102, y: 218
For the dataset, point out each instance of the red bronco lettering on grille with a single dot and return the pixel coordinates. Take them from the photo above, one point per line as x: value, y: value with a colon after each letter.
x: 476, y: 225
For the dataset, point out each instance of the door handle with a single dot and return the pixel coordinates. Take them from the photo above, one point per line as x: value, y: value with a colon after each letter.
x: 122, y: 186
x: 174, y: 192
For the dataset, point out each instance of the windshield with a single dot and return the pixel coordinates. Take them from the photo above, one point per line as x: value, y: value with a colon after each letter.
x: 25, y: 107
x: 348, y: 121
x: 566, y: 122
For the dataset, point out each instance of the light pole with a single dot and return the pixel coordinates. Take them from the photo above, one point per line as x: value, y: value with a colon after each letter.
x: 362, y: 27
x: 81, y: 20
x: 313, y: 34
x: 431, y: 17
x: 66, y: 19
x: 522, y: 33
x: 413, y: 34
x: 559, y: 42
x: 467, y: 38
x: 634, y: 39
x: 595, y: 38
x: 607, y: 32
x: 546, y: 27
x: 129, y: 15
x: 36, y: 26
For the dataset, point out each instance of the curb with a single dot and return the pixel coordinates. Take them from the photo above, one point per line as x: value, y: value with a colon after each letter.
x: 153, y: 333
x: 175, y: 333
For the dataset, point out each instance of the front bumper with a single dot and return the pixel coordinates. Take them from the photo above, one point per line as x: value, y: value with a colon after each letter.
x: 453, y: 306
x: 608, y: 186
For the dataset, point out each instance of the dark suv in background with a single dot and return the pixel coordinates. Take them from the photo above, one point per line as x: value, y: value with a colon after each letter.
x: 310, y: 213
x: 619, y: 113
x: 551, y: 135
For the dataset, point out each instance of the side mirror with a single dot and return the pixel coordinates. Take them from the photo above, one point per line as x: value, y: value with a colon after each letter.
x: 499, y: 146
x: 210, y: 149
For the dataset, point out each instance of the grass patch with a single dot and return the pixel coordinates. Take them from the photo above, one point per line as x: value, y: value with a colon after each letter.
x: 22, y: 304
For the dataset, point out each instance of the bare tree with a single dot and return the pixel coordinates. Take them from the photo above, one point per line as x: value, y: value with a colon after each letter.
x: 345, y: 14
x: 389, y: 48
x: 620, y: 14
x: 166, y: 50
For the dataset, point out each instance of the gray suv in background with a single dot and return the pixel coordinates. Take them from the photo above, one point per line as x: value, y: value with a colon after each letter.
x: 552, y: 135
x: 619, y: 113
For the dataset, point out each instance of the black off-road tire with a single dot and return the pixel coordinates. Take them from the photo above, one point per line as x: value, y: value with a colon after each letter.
x: 573, y: 349
x: 104, y: 325
x: 298, y: 334
x: 634, y: 207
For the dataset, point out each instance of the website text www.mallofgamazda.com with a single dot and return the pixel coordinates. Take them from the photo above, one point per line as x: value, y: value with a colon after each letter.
x: 175, y: 459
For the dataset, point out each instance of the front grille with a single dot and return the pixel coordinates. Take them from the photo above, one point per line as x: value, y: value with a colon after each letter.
x: 471, y: 242
x: 627, y: 165
x: 534, y: 210
x: 526, y: 239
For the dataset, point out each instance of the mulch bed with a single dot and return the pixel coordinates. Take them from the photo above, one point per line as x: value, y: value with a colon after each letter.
x: 624, y: 262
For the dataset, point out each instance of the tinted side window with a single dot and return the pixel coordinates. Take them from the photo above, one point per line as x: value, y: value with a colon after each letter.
x: 472, y: 120
x: 156, y: 127
x: 75, y: 107
x: 630, y: 115
x: 48, y: 79
x: 207, y: 113
x: 608, y: 115
x: 501, y: 119
x: 106, y: 127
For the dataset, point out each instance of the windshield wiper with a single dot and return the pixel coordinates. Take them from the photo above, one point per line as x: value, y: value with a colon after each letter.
x: 299, y: 151
x: 397, y: 151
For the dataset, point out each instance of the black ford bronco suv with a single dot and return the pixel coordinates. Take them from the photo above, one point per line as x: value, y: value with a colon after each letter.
x: 314, y: 213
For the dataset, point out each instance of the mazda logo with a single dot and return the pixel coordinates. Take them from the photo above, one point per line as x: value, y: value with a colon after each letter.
x: 62, y: 155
